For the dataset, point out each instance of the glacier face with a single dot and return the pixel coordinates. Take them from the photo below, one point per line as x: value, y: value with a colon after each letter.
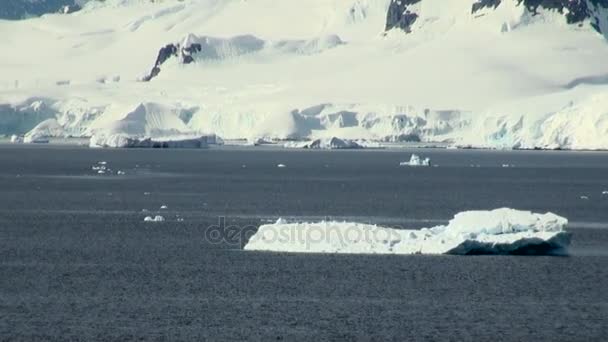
x: 496, y: 74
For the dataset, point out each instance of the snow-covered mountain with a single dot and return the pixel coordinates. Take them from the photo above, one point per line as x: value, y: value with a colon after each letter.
x: 491, y: 73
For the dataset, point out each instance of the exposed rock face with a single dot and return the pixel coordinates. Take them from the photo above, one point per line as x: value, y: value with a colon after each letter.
x: 481, y: 4
x: 173, y: 50
x: 401, y: 15
x: 19, y: 9
x: 576, y: 11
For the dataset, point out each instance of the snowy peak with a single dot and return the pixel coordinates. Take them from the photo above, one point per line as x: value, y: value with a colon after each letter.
x: 408, y: 14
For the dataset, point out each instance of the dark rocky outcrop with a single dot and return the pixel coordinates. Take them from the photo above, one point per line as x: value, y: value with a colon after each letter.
x: 481, y: 4
x: 173, y: 50
x: 20, y: 9
x: 576, y: 11
x: 400, y: 16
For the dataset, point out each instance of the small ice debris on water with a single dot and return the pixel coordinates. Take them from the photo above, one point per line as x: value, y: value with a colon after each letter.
x: 605, y: 192
x: 281, y: 166
x: 101, y: 172
x: 119, y: 172
x: 416, y: 160
x: 145, y: 210
x: 584, y: 197
x: 146, y: 194
x: 508, y: 165
x: 156, y: 218
x: 102, y: 163
x: 164, y: 207
x: 180, y: 219
x: 281, y: 220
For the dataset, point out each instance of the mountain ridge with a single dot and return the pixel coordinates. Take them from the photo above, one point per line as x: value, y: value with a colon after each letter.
x: 500, y: 77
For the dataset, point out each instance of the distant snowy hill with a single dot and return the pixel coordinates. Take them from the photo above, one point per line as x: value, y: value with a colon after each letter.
x: 488, y: 73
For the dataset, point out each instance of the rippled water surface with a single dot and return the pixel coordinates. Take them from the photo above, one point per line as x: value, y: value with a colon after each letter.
x: 78, y: 261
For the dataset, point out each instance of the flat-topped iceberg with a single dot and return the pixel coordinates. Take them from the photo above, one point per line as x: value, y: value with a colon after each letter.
x: 499, y: 231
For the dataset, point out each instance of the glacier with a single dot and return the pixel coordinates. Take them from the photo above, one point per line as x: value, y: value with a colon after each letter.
x: 507, y: 75
x: 498, y: 231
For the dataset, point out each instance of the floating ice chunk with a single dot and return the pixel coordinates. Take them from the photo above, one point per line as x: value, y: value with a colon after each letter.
x: 415, y: 160
x: 16, y: 139
x: 156, y: 218
x: 500, y: 231
x: 583, y: 197
x: 281, y: 166
x: 164, y: 207
x: 605, y: 192
x: 146, y: 193
x: 281, y: 221
x: 102, y: 163
x: 119, y: 172
x: 101, y: 172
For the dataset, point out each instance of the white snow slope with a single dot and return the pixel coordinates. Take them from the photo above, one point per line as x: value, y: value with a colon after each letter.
x: 310, y: 69
x: 500, y: 231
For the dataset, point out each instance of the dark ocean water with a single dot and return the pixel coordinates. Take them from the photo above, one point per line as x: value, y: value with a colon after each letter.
x: 78, y: 262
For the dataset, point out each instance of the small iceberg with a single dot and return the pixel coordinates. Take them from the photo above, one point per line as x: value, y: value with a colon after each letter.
x: 499, y: 231
x: 16, y: 139
x: 101, y: 168
x: 156, y: 218
x: 416, y: 160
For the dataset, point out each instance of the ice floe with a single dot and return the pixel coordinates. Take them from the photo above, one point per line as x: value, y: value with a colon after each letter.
x: 101, y: 168
x: 416, y: 160
x: 281, y: 166
x: 499, y: 231
x: 156, y: 218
